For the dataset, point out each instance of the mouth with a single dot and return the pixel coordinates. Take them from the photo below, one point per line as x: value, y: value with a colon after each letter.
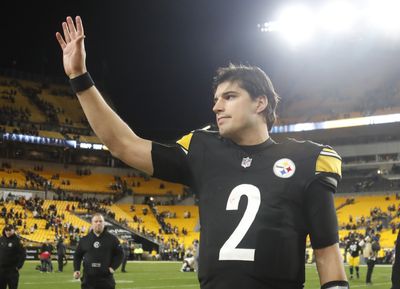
x: 220, y: 119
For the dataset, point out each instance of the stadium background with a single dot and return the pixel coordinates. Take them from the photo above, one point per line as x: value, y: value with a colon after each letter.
x: 154, y: 61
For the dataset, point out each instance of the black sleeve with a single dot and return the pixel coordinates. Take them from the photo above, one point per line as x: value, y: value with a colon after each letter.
x: 21, y: 253
x: 396, y: 265
x: 117, y: 254
x: 78, y: 256
x: 321, y: 214
x: 170, y: 163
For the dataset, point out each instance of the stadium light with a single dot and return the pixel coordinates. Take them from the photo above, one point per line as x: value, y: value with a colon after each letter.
x: 296, y: 23
x: 339, y: 123
x: 384, y: 15
x: 299, y: 23
x: 337, y: 16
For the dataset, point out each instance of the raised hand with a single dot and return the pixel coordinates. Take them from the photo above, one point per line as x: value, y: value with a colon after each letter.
x: 73, y: 47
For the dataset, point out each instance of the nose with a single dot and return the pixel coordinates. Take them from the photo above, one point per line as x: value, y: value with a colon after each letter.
x: 218, y: 106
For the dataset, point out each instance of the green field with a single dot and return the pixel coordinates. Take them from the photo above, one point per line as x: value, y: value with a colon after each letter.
x: 142, y: 275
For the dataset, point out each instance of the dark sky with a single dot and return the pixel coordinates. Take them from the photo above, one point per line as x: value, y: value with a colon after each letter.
x: 156, y: 58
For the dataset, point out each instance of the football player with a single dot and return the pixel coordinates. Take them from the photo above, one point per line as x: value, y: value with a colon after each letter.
x: 189, y: 260
x: 258, y: 199
x: 354, y: 248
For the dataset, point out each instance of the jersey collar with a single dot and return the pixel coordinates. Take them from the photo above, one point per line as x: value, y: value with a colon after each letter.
x: 259, y: 147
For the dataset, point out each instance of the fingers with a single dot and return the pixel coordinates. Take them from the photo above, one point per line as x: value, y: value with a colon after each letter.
x: 60, y: 40
x: 67, y: 36
x: 70, y: 31
x: 71, y: 27
x: 79, y: 25
x: 79, y: 40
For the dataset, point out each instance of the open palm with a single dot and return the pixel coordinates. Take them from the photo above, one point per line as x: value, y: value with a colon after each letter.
x: 73, y: 47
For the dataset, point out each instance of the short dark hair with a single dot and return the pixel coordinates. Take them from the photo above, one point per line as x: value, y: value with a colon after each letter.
x: 254, y: 80
x: 8, y: 227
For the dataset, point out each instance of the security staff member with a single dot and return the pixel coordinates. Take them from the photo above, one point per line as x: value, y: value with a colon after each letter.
x: 127, y: 252
x: 12, y: 258
x: 396, y: 265
x: 61, y: 252
x: 102, y: 255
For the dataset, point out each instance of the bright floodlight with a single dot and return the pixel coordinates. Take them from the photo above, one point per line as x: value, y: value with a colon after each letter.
x: 337, y: 16
x: 296, y: 24
x: 384, y: 14
x: 299, y: 23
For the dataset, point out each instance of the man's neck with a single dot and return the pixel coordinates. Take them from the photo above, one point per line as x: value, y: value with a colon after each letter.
x: 253, y: 137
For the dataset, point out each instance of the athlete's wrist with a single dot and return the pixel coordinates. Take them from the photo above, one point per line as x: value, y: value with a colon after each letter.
x: 76, y: 74
x: 340, y: 284
x: 81, y: 82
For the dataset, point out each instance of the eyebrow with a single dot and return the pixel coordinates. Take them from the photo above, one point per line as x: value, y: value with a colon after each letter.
x: 226, y: 93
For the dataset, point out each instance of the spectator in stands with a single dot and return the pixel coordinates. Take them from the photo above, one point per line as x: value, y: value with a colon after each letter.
x: 12, y: 258
x: 3, y: 212
x: 217, y: 162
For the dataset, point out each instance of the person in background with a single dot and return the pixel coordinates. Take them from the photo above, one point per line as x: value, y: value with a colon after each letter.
x: 127, y: 252
x: 101, y: 254
x: 45, y: 256
x: 12, y: 258
x: 61, y: 254
x: 396, y: 265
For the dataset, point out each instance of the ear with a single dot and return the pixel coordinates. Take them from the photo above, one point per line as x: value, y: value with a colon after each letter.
x: 262, y: 103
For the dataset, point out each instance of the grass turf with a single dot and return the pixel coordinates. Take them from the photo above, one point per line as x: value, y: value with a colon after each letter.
x: 159, y: 275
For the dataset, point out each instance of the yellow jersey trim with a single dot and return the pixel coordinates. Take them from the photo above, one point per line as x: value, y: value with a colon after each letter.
x: 329, y: 163
x: 185, y: 141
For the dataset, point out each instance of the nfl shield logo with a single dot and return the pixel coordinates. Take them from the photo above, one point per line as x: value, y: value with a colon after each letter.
x: 246, y: 162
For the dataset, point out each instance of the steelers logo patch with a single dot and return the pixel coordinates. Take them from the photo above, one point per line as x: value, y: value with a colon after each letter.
x: 284, y: 168
x: 96, y: 244
x: 10, y: 245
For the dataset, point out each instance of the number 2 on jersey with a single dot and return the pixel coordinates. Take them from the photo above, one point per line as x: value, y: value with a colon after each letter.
x: 229, y: 251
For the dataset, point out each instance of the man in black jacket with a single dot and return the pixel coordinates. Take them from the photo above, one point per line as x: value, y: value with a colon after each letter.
x: 12, y: 258
x: 127, y: 251
x: 396, y: 265
x: 61, y: 252
x: 101, y: 253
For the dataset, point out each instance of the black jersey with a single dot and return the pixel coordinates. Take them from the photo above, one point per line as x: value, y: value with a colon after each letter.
x: 255, y: 212
x: 99, y: 253
x: 354, y: 248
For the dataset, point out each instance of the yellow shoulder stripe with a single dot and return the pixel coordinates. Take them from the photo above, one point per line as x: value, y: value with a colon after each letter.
x: 185, y: 141
x: 330, y: 152
x: 328, y: 164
